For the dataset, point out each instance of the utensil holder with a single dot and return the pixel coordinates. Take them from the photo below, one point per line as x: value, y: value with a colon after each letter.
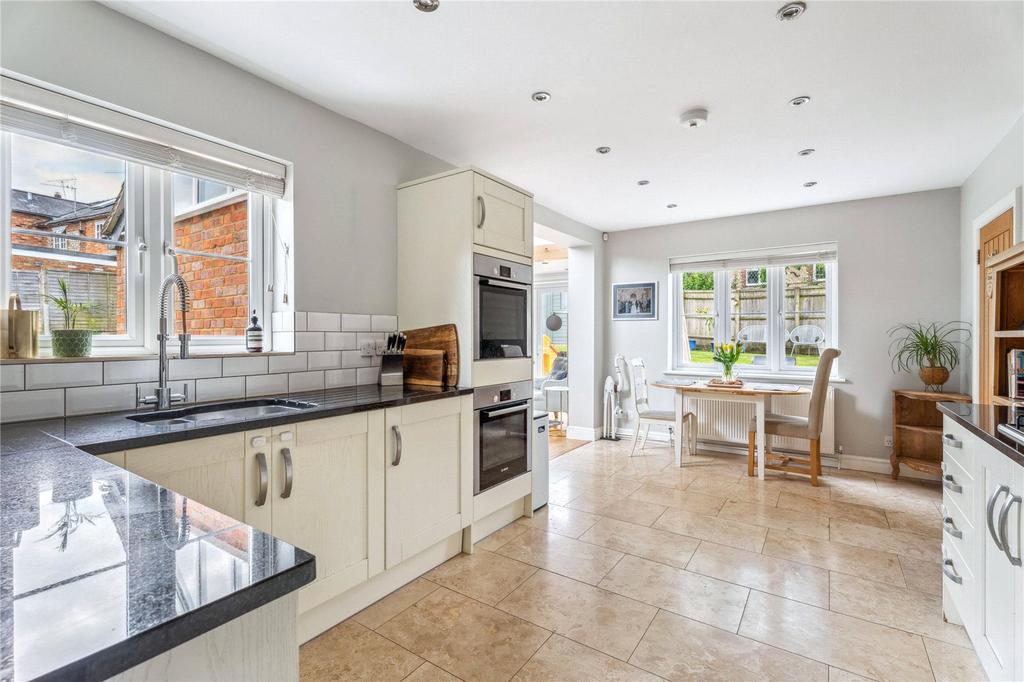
x: 391, y: 369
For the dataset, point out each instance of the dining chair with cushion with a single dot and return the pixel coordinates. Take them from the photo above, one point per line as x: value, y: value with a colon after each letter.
x: 645, y: 416
x: 787, y: 426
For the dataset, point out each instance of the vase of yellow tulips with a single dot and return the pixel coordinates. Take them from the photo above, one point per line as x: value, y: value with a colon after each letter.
x: 727, y: 355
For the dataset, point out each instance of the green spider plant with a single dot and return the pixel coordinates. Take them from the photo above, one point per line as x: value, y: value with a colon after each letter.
x: 919, y: 344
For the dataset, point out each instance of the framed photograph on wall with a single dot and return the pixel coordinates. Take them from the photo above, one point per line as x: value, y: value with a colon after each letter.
x: 635, y: 301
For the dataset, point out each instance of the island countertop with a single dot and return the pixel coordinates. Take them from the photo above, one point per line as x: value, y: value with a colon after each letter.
x: 101, y: 569
x: 983, y: 421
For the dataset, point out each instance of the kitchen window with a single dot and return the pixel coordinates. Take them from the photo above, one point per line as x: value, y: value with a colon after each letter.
x: 780, y: 304
x: 112, y: 215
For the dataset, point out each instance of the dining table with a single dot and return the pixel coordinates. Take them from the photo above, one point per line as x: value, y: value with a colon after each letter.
x: 760, y: 394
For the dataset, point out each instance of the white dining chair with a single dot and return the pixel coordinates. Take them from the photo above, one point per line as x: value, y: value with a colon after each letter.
x: 646, y: 417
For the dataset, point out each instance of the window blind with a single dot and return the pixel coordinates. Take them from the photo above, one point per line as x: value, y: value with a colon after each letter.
x: 824, y: 252
x: 36, y: 112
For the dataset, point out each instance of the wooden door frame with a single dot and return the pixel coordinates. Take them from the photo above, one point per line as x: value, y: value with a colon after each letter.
x: 1011, y: 201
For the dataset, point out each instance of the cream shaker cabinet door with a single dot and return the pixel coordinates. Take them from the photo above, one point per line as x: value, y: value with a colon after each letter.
x: 426, y: 474
x: 503, y: 217
x: 207, y: 470
x: 328, y: 497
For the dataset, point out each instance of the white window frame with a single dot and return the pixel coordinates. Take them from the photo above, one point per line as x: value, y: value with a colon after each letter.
x: 775, y: 333
x: 149, y: 216
x: 97, y: 228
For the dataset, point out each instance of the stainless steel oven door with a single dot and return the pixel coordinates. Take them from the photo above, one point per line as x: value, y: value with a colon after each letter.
x: 502, y: 325
x: 504, y: 444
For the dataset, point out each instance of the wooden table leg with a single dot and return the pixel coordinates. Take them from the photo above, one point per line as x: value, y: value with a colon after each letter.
x: 762, y: 455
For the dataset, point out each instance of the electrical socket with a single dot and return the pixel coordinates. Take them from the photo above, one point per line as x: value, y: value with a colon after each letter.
x: 887, y: 441
x: 381, y: 347
x: 366, y: 349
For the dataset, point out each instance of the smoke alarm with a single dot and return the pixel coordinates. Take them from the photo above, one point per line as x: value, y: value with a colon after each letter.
x: 694, y: 118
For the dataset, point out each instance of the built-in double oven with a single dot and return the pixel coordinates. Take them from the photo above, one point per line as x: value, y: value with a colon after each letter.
x: 503, y: 432
x: 503, y: 303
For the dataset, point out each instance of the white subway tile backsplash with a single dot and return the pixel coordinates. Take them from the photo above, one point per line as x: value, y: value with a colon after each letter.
x: 25, y: 405
x: 336, y: 378
x: 354, y: 358
x: 186, y: 388
x: 355, y: 323
x: 288, y: 363
x: 234, y: 367
x: 220, y: 389
x: 324, y: 359
x: 265, y: 384
x: 309, y: 341
x: 130, y: 371
x: 195, y: 368
x: 384, y: 323
x: 305, y: 381
x: 340, y: 341
x: 94, y: 399
x: 284, y: 342
x: 12, y: 377
x: 367, y: 375
x: 323, y: 322
x: 61, y: 374
x: 299, y: 323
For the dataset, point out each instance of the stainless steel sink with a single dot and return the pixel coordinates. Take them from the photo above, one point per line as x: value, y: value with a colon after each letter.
x: 234, y: 411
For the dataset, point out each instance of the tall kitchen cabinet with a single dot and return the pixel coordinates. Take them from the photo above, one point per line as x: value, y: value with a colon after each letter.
x: 443, y: 220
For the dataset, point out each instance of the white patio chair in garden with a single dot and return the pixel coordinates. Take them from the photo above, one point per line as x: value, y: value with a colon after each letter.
x: 753, y: 333
x: 807, y: 335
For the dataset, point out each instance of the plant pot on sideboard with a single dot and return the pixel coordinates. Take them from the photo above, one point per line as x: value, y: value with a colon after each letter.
x: 934, y: 377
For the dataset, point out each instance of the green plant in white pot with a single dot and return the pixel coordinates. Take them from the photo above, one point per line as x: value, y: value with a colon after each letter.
x: 933, y: 348
x: 69, y: 342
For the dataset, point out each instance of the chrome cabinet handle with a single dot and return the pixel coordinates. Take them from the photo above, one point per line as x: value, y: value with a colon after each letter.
x: 949, y: 483
x: 1004, y: 517
x: 989, y: 520
x: 950, y: 528
x: 286, y: 455
x: 950, y: 572
x: 398, y: 446
x: 483, y: 211
x: 952, y: 441
x: 261, y: 466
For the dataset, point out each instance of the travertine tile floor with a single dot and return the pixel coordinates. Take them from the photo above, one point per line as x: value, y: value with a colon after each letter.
x: 641, y: 570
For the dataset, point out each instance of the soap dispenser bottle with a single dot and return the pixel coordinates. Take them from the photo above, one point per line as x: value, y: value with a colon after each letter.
x: 254, y: 335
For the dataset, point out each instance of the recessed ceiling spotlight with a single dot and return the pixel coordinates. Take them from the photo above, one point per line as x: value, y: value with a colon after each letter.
x: 603, y: 150
x: 694, y: 118
x: 643, y: 182
x: 540, y: 96
x: 670, y: 205
x: 811, y: 183
x: 799, y: 101
x: 805, y: 152
x: 790, y: 11
x: 426, y: 5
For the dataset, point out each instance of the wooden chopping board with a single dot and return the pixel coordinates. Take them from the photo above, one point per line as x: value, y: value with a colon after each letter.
x: 442, y: 337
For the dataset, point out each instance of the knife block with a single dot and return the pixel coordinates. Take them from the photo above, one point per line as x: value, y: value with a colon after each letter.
x: 391, y: 369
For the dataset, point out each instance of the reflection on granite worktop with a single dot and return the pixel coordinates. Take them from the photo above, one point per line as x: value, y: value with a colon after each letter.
x: 92, y: 556
x: 984, y: 420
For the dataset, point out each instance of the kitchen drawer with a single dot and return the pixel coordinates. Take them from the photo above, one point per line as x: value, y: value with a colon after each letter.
x: 957, y: 444
x: 959, y: 584
x: 958, y: 487
x: 954, y: 524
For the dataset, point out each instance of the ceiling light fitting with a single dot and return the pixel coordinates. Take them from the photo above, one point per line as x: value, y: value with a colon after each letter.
x: 790, y: 11
x: 670, y: 205
x: 426, y: 5
x: 603, y: 150
x: 812, y: 183
x: 694, y: 118
x: 805, y: 152
x: 799, y: 101
x: 540, y: 96
x: 643, y: 182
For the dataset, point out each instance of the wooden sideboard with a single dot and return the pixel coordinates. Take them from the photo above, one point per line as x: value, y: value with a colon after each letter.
x: 917, y: 429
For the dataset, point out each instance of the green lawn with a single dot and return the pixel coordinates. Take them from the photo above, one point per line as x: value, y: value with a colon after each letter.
x: 704, y: 356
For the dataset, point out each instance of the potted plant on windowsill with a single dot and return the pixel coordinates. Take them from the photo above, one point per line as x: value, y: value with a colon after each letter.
x: 933, y: 348
x: 69, y: 342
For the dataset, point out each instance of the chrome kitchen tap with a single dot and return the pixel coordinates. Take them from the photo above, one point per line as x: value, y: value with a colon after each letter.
x: 164, y: 398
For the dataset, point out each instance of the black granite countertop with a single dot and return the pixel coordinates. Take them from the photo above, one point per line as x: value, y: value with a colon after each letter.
x: 101, y: 569
x: 983, y: 421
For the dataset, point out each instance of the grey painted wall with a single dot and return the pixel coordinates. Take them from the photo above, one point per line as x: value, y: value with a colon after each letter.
x: 1001, y: 173
x: 898, y: 261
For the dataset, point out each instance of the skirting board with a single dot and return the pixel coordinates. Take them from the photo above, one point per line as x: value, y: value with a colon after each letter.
x: 583, y: 433
x: 875, y: 465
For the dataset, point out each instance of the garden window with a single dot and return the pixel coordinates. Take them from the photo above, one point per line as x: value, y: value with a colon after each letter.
x: 112, y: 212
x: 779, y: 304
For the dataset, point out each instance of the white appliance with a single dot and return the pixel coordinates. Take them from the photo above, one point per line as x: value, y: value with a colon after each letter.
x: 541, y: 462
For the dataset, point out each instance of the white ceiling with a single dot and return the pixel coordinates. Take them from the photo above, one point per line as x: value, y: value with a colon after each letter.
x: 906, y: 95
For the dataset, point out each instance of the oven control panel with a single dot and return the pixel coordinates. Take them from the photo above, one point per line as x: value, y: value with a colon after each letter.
x: 488, y: 396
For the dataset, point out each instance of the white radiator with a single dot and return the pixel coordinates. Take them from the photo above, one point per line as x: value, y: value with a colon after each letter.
x: 723, y: 421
